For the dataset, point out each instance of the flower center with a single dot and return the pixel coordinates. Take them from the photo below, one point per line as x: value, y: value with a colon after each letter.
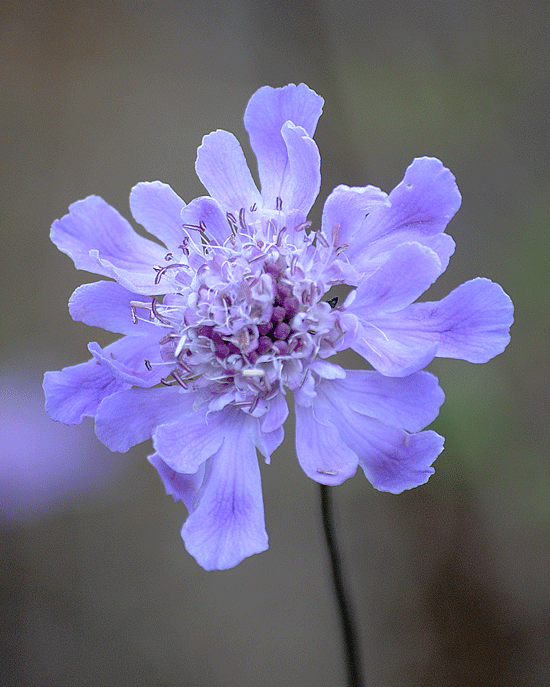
x: 250, y: 321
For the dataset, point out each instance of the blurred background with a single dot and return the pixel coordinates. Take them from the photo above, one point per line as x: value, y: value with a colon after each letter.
x: 450, y: 580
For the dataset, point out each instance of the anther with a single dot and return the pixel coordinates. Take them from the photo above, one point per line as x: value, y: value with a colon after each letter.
x: 341, y: 249
x: 253, y: 208
x: 260, y: 256
x: 279, y: 236
x: 319, y: 236
x: 335, y: 234
x: 330, y: 473
x: 242, y: 221
x: 279, y: 203
x: 156, y: 313
x: 148, y: 364
x: 161, y: 270
x: 166, y: 381
x: 303, y: 226
x: 176, y: 375
x: 183, y: 246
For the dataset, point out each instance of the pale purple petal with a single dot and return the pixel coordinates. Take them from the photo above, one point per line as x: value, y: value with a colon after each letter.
x: 266, y: 113
x: 227, y: 524
x: 276, y: 415
x: 75, y: 392
x: 421, y: 206
x: 302, y: 179
x: 106, y: 304
x: 410, y: 403
x: 321, y: 452
x: 267, y: 443
x: 157, y: 207
x: 129, y: 417
x: 471, y: 323
x: 222, y: 168
x: 392, y: 459
x: 443, y: 245
x: 181, y: 487
x: 100, y: 240
x: 409, y: 270
x: 205, y: 211
x: 135, y: 360
x: 392, y: 351
x: 191, y: 439
x: 345, y: 210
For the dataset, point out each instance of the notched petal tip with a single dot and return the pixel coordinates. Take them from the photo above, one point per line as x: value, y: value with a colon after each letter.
x: 227, y: 524
x: 222, y: 169
x: 407, y: 464
x: 74, y: 393
x: 473, y: 322
x: 157, y: 207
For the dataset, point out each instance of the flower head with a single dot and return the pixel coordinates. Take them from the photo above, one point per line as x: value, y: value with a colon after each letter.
x: 233, y: 313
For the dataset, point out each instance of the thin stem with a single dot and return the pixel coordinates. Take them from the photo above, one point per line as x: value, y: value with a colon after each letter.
x: 346, y: 617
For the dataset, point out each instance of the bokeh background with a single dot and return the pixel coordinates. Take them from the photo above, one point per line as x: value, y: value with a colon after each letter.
x: 450, y: 580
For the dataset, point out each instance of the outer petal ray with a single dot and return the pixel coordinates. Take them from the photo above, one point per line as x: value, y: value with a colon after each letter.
x: 100, y: 240
x: 189, y: 440
x: 206, y: 211
x: 222, y: 169
x: 302, y: 181
x: 421, y: 206
x: 409, y: 270
x: 346, y: 208
x: 471, y: 323
x: 410, y: 403
x: 392, y: 459
x: 227, y: 524
x: 126, y: 359
x: 129, y: 417
x: 106, y: 304
x: 75, y: 392
x: 321, y: 452
x: 182, y: 487
x: 391, y: 354
x: 266, y: 113
x: 157, y: 207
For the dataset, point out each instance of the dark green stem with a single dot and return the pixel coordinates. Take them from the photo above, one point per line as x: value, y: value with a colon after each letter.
x: 353, y: 663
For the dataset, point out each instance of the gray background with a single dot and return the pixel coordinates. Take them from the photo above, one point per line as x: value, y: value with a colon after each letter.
x: 450, y: 580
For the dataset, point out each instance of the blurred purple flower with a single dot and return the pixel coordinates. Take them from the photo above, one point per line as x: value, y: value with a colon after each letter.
x: 43, y: 467
x: 233, y: 312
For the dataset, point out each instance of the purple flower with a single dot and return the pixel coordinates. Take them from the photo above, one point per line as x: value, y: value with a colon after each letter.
x: 233, y: 313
